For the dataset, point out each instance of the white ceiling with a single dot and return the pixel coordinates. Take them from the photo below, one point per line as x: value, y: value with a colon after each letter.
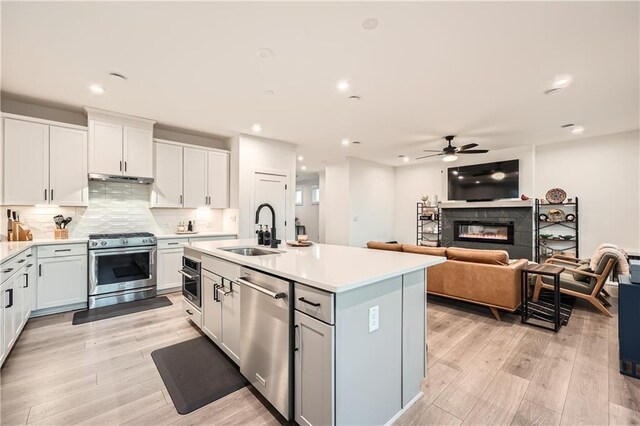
x: 474, y: 69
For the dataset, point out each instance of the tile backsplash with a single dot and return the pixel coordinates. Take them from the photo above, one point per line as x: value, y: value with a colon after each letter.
x: 119, y: 207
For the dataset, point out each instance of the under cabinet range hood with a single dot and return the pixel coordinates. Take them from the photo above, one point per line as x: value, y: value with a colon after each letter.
x: 120, y: 178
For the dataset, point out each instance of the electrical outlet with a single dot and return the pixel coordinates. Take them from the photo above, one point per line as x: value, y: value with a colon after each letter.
x: 165, y: 225
x: 374, y: 318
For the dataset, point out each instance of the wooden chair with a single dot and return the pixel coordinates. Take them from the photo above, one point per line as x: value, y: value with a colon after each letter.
x: 589, y: 290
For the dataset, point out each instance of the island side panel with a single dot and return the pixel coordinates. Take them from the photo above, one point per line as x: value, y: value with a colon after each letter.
x: 369, y: 365
x: 413, y: 334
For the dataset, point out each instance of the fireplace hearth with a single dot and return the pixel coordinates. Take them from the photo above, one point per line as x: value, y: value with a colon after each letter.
x: 483, y: 232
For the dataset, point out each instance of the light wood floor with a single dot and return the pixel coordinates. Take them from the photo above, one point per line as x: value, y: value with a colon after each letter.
x: 480, y: 372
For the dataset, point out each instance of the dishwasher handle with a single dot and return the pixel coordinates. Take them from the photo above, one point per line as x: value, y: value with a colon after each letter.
x: 260, y: 289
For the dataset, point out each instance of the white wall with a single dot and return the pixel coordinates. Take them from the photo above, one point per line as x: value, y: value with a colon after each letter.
x: 602, y: 172
x: 358, y: 202
x: 321, y: 212
x: 266, y: 156
x: 308, y: 213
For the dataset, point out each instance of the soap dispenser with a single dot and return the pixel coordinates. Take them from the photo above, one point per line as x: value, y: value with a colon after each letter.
x: 260, y: 236
x: 267, y: 237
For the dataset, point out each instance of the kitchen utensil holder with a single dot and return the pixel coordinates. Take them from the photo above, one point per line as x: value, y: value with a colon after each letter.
x: 61, y: 234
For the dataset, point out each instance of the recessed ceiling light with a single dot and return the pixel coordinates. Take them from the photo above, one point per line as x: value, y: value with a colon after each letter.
x: 562, y: 81
x: 370, y: 24
x: 405, y: 159
x: 256, y: 128
x: 345, y: 142
x: 477, y: 181
x: 460, y: 177
x: 119, y: 76
x: 498, y: 175
x: 343, y: 85
x: 450, y: 157
x: 300, y: 158
x: 303, y: 168
x: 96, y: 89
x: 455, y: 172
x: 577, y: 130
x: 265, y: 53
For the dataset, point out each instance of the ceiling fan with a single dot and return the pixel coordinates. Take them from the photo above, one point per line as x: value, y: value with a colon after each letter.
x: 450, y: 152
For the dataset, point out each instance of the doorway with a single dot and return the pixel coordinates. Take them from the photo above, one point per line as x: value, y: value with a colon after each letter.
x: 308, y: 206
x: 272, y: 189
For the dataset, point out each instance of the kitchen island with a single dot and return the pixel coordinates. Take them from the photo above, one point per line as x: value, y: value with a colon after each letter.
x: 348, y: 324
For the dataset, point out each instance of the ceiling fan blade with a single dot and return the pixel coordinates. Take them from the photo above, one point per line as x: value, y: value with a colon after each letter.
x: 428, y: 156
x: 467, y: 146
x: 473, y: 151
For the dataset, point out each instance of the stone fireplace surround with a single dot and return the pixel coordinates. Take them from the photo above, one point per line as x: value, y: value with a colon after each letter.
x: 521, y: 214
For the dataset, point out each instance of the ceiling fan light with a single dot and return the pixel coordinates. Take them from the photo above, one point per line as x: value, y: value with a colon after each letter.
x: 450, y: 157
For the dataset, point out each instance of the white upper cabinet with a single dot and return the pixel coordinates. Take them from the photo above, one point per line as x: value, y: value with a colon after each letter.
x: 167, y: 184
x: 26, y: 161
x: 105, y: 148
x: 68, y: 166
x: 44, y: 164
x: 218, y: 179
x: 195, y: 178
x: 138, y: 148
x: 120, y: 144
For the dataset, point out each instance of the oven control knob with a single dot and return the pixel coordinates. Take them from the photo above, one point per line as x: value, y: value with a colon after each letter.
x: 125, y: 242
x: 104, y: 243
x: 94, y: 243
x: 144, y: 240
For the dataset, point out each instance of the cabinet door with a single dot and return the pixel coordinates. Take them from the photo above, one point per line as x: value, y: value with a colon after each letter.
x: 138, y: 152
x: 26, y: 163
x: 68, y: 166
x: 230, y: 296
x: 62, y: 281
x: 314, y: 371
x: 18, y: 302
x: 167, y: 176
x: 211, y: 307
x: 195, y: 178
x: 32, y: 285
x: 8, y: 315
x: 105, y: 148
x: 169, y: 263
x: 3, y: 302
x: 218, y: 179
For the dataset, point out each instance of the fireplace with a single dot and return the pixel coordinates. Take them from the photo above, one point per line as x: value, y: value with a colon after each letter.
x: 483, y: 232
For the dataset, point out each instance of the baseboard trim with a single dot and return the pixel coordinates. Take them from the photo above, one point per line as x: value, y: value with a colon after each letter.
x: 404, y: 409
x: 58, y: 309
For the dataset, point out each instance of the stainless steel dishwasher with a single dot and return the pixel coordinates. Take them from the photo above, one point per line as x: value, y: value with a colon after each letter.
x: 265, y: 343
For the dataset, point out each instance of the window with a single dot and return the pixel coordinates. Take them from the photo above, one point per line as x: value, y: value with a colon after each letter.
x: 315, y: 195
x: 299, y: 197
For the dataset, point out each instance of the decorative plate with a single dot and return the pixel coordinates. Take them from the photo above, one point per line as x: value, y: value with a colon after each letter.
x: 543, y: 218
x: 556, y: 196
x: 293, y: 243
x: 556, y: 215
x: 570, y: 217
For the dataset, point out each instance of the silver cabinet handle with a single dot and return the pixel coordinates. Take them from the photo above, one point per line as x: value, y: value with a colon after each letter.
x: 181, y: 199
x: 120, y: 165
x: 260, y: 289
x: 125, y: 166
x: 52, y: 195
x: 191, y: 277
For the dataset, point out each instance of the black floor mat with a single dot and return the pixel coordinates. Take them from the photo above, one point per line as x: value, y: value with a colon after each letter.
x: 112, y: 311
x: 197, y: 373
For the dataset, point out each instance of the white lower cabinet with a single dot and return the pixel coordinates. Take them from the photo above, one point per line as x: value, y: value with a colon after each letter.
x: 169, y: 262
x: 221, y: 313
x: 313, y: 371
x: 62, y: 281
x: 8, y: 316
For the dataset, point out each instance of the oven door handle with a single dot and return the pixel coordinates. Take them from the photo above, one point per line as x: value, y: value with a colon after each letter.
x: 191, y: 277
x: 107, y: 252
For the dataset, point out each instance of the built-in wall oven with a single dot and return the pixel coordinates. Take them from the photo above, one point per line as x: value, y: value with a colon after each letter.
x: 191, y: 288
x: 122, y: 268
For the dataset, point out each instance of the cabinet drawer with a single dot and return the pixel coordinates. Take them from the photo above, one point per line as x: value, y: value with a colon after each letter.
x: 315, y: 303
x: 171, y: 243
x: 12, y: 266
x: 225, y: 269
x: 192, y: 313
x: 62, y: 250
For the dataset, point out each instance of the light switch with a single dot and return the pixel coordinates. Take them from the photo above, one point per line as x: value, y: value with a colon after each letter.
x: 374, y: 318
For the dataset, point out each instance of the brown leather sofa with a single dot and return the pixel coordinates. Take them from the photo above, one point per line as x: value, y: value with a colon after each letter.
x: 484, y: 277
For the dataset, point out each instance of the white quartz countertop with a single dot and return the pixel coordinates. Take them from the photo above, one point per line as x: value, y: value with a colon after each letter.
x: 197, y: 235
x: 327, y: 267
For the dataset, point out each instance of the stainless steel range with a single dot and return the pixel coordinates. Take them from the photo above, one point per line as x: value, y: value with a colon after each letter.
x: 122, y: 268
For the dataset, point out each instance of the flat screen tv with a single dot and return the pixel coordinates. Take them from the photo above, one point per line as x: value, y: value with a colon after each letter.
x: 484, y: 182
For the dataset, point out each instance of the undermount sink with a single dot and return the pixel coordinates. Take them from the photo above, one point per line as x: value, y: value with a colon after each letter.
x: 249, y: 251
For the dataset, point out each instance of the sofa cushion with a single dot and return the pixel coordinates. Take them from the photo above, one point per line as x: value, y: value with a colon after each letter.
x: 433, y: 251
x: 580, y: 277
x: 491, y: 257
x: 384, y: 246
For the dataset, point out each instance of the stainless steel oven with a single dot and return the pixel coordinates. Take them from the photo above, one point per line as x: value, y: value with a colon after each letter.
x: 191, y: 287
x: 122, y: 268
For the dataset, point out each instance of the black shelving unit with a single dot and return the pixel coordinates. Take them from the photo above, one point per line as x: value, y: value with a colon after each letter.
x: 428, y: 226
x: 548, y: 246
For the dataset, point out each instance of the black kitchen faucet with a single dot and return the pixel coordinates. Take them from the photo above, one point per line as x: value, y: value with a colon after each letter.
x: 274, y: 240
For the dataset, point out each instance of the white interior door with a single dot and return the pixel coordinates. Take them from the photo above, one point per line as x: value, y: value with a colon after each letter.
x: 68, y: 161
x: 272, y: 189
